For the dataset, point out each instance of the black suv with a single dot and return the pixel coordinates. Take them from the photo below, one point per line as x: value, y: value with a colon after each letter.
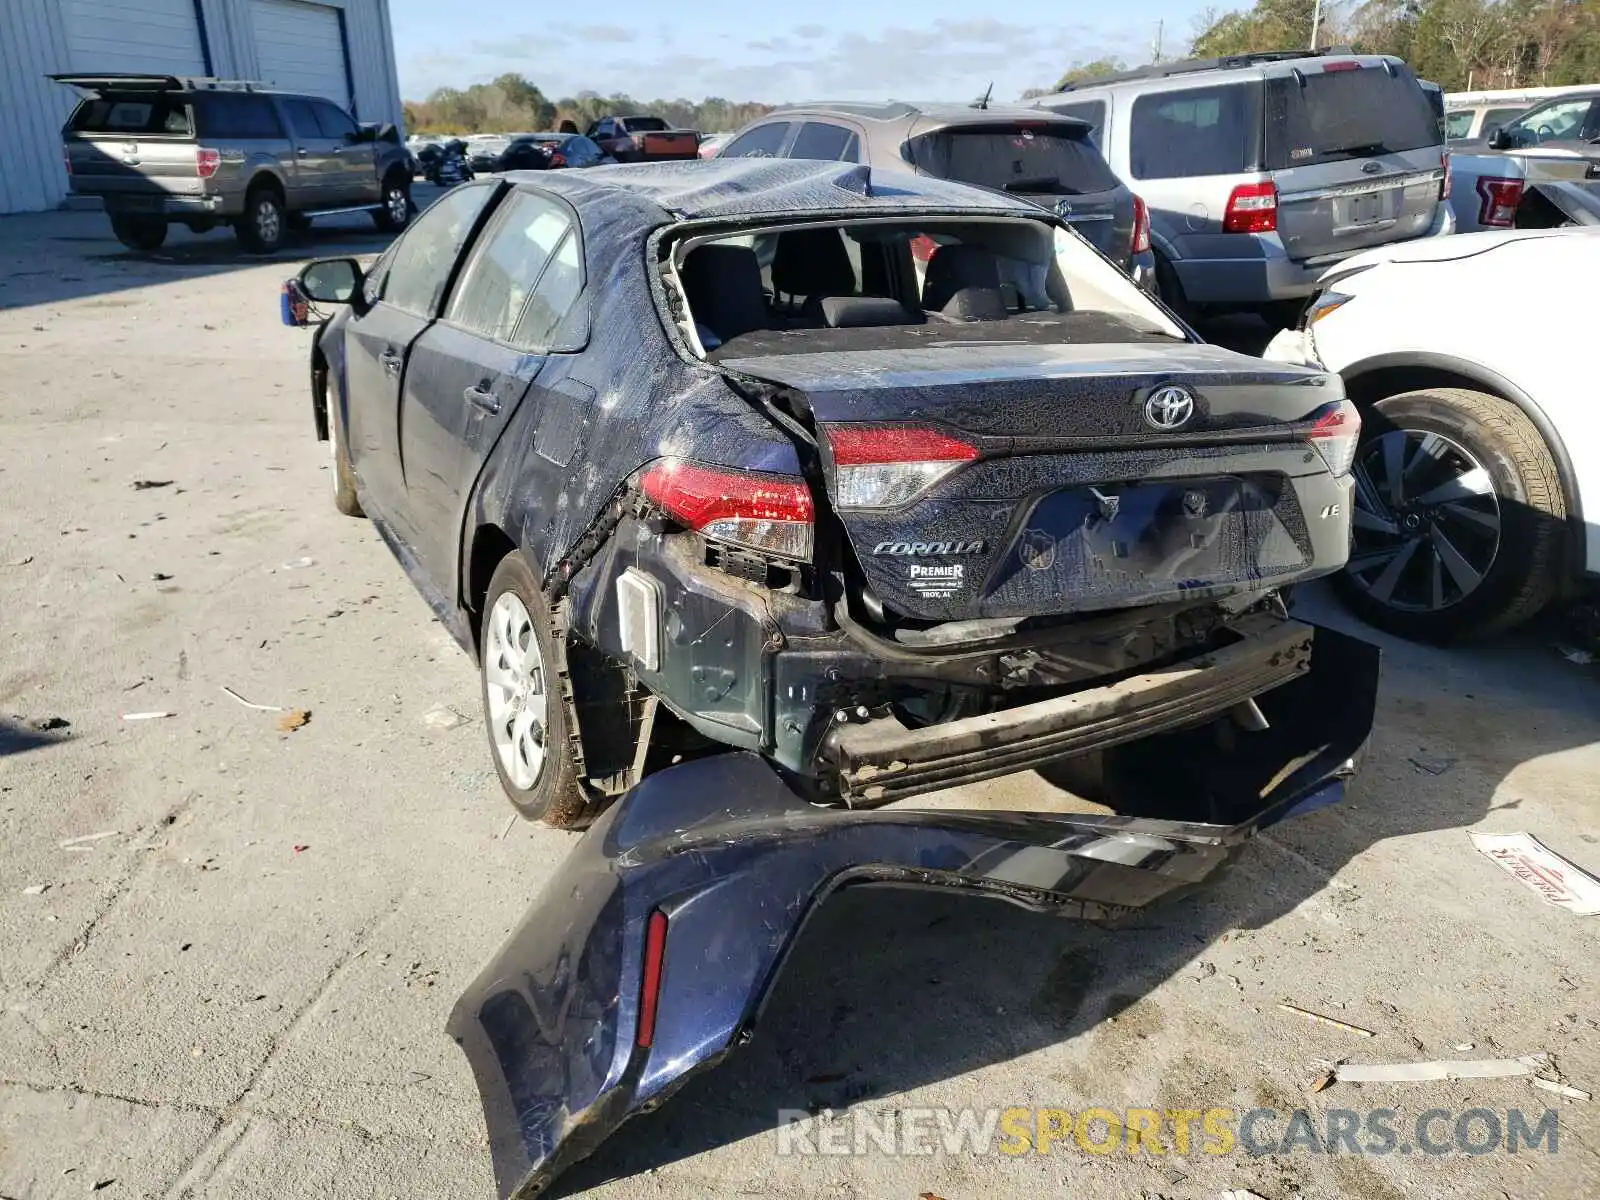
x: 158, y: 149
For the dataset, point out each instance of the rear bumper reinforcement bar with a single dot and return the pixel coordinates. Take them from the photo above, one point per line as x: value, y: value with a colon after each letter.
x: 882, y: 760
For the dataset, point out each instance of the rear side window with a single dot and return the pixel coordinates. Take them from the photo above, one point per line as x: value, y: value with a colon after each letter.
x: 817, y: 139
x: 1022, y: 157
x: 148, y: 115
x: 1197, y: 131
x: 1091, y: 111
x: 238, y: 117
x: 303, y: 118
x: 558, y: 290
x: 764, y: 141
x: 1458, y: 124
x: 506, y: 268
x: 1331, y: 116
x: 1500, y: 116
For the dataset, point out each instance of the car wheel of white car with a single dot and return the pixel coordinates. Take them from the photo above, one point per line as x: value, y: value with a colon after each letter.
x: 1459, y: 517
x: 522, y: 701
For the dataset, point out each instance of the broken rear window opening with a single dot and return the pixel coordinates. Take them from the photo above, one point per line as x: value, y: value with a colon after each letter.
x: 901, y: 284
x: 142, y: 114
x: 1042, y: 159
x: 1337, y: 115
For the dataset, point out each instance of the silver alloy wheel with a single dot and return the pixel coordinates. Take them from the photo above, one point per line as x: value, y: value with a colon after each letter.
x: 1427, y: 521
x: 513, y: 672
x: 269, y: 223
x: 396, y: 202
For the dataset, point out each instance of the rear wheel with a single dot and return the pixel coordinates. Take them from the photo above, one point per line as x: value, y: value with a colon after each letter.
x: 522, y: 700
x: 265, y: 223
x: 1459, y: 517
x: 139, y: 232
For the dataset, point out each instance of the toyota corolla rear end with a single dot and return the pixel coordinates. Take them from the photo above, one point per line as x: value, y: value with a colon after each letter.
x: 1019, y: 516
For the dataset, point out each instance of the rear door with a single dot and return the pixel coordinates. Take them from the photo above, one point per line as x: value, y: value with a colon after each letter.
x: 469, y: 372
x: 315, y: 154
x: 136, y: 145
x: 1355, y: 150
x: 352, y: 164
x: 404, y: 292
x: 1048, y: 162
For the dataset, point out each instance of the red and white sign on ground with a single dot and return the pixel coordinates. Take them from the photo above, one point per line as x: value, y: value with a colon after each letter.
x: 1526, y: 858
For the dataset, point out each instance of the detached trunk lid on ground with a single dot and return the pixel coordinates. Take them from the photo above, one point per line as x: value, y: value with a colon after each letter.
x: 1076, y: 497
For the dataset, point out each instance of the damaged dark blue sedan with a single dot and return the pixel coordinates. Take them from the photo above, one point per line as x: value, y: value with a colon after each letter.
x: 888, y: 484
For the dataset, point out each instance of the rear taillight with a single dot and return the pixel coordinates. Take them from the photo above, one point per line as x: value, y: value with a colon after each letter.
x: 1498, y: 202
x: 655, y: 953
x: 1252, y: 208
x: 1335, y: 430
x: 1449, y: 175
x: 770, y: 513
x: 1141, y: 226
x: 206, y: 161
x: 885, y: 466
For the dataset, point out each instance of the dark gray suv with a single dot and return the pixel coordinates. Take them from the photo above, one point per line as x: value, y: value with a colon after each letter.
x: 159, y: 149
x: 1035, y: 156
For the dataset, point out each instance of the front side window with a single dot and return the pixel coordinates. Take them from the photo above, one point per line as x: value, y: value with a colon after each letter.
x: 302, y: 118
x: 334, y: 121
x: 426, y: 253
x: 1196, y: 131
x: 505, y: 269
x: 764, y: 141
x: 1458, y: 124
x: 1559, y: 121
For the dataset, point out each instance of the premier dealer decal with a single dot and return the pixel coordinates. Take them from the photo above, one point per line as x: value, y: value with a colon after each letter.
x: 937, y: 583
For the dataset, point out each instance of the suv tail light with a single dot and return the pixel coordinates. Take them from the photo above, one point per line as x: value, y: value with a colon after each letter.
x: 206, y: 161
x: 1252, y: 208
x: 1335, y: 430
x: 1499, y: 198
x: 1141, y: 226
x: 887, y: 466
x: 773, y: 514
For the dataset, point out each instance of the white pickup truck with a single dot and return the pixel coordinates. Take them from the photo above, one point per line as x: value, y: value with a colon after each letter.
x: 1556, y: 141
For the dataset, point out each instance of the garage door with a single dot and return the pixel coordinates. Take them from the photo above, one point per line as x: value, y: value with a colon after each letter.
x: 300, y: 48
x: 155, y: 36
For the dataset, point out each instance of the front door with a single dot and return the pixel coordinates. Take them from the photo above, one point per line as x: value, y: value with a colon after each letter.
x: 471, y: 370
x: 403, y: 293
x: 316, y: 162
x: 353, y: 172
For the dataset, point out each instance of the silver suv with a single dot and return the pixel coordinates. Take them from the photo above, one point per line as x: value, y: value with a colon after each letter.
x: 159, y: 149
x: 1262, y: 170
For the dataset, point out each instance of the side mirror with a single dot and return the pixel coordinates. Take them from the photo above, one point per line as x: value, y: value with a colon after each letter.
x: 331, y: 280
x: 1499, y: 138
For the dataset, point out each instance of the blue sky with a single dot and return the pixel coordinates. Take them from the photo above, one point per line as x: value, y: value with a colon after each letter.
x: 819, y: 49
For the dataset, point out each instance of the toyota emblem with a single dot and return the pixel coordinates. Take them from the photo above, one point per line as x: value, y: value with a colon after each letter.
x: 1169, y: 407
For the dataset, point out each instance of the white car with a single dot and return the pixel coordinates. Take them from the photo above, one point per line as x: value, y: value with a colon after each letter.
x: 1470, y: 358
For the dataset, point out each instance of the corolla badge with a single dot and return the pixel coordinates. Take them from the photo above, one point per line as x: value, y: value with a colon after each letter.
x: 1037, y: 550
x: 1169, y: 407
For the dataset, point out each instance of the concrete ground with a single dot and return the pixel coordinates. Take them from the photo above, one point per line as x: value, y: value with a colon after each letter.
x: 235, y: 979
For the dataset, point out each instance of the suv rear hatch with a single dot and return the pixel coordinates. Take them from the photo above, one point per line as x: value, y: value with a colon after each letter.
x: 1010, y: 480
x: 1047, y: 161
x: 131, y: 137
x: 1354, y: 147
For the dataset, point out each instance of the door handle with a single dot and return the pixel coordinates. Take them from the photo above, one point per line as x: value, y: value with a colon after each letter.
x: 301, y: 151
x: 483, y: 398
x: 391, y: 362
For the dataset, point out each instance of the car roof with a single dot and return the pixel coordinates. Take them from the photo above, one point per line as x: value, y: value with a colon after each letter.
x: 899, y: 110
x: 697, y: 189
x: 1255, y: 64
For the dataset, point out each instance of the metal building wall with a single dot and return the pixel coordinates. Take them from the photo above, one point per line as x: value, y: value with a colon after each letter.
x: 32, y: 109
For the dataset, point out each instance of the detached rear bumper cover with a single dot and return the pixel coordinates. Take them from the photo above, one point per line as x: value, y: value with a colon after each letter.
x: 736, y: 863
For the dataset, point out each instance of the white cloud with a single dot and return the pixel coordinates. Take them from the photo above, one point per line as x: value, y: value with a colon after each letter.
x: 951, y: 60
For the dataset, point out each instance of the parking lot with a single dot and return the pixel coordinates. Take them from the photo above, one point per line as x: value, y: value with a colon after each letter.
x: 231, y: 946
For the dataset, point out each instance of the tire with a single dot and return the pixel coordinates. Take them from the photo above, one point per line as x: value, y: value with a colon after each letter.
x: 139, y: 232
x: 394, y: 212
x: 1170, y: 291
x: 517, y: 617
x: 265, y: 223
x: 1478, y: 561
x: 345, y: 498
